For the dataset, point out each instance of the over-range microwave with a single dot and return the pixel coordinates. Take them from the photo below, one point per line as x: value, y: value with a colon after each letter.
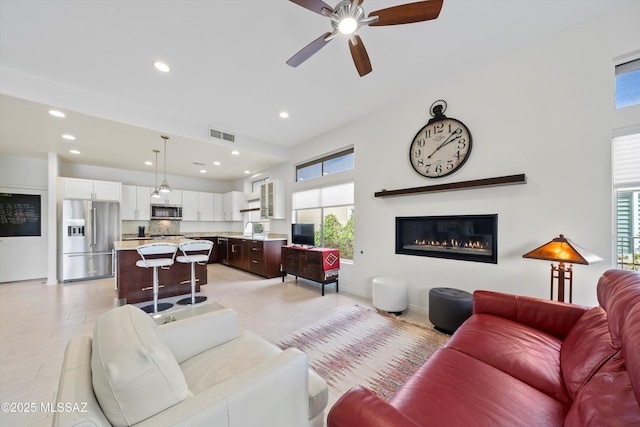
x: 166, y: 212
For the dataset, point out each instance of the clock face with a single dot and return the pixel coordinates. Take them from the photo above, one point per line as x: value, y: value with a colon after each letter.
x: 440, y: 148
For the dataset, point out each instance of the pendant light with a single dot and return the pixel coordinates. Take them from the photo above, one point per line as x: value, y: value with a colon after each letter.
x: 164, y: 187
x: 156, y: 194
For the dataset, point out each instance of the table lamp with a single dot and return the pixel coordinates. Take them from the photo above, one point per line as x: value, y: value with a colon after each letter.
x: 562, y: 250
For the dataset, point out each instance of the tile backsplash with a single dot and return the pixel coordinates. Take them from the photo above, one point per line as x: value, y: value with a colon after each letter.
x: 164, y: 226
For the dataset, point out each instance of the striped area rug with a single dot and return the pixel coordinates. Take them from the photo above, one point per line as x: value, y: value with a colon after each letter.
x: 358, y: 346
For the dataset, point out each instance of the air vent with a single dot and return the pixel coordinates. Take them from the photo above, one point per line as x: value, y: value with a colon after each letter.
x: 221, y: 135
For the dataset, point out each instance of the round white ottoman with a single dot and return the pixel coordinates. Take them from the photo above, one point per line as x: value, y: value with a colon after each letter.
x: 389, y: 294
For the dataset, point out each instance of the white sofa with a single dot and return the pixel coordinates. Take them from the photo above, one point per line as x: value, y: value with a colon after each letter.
x: 194, y: 372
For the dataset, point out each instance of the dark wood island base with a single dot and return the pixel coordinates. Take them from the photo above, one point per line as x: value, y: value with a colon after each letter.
x: 135, y: 284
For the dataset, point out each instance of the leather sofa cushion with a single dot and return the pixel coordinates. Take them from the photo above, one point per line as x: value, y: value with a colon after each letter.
x: 134, y: 373
x: 454, y: 389
x: 618, y: 295
x: 318, y: 394
x: 606, y: 400
x: 523, y: 352
x: 587, y: 347
x: 221, y: 363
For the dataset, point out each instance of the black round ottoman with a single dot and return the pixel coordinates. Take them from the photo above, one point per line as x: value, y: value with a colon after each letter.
x: 449, y: 308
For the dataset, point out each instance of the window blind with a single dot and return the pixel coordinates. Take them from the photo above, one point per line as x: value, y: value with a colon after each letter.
x: 626, y: 161
x: 323, y: 197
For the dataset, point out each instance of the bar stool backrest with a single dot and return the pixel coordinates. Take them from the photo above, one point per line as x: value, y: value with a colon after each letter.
x: 192, y: 249
x: 149, y: 251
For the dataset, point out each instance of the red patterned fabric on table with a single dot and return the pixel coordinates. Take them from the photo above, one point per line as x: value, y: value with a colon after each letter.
x: 330, y: 258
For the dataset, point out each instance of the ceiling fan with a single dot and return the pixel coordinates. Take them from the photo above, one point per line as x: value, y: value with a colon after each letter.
x: 348, y: 16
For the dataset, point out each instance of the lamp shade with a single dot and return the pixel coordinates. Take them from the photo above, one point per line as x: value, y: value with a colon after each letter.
x: 562, y: 249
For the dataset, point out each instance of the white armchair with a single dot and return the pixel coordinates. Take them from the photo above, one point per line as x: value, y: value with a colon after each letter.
x: 193, y: 372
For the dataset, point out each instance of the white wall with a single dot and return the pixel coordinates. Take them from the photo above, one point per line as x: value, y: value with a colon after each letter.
x: 546, y: 111
x: 25, y: 257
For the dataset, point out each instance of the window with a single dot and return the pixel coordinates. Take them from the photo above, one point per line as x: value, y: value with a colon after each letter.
x: 328, y: 165
x: 628, y: 84
x: 331, y: 210
x: 626, y: 182
x: 255, y: 185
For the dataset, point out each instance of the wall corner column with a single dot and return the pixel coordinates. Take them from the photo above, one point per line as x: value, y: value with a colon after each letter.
x: 52, y: 216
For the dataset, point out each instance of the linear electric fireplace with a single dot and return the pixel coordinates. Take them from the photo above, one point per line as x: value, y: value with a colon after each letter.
x: 461, y: 237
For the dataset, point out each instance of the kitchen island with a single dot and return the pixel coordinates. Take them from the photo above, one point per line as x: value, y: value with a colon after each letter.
x: 135, y: 284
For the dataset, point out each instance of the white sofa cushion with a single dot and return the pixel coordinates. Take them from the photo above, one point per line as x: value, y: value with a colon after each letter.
x: 134, y: 373
x: 221, y: 363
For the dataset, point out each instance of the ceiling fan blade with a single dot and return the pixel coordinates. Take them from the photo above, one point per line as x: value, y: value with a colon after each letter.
x: 313, y: 5
x: 360, y: 56
x: 306, y: 52
x: 407, y: 13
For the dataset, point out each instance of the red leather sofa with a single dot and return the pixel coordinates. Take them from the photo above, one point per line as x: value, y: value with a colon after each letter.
x: 520, y: 361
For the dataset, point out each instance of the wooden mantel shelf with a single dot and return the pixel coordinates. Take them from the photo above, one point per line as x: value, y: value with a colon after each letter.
x: 485, y: 182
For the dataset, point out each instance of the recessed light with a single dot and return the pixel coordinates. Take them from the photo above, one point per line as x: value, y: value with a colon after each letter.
x: 148, y: 163
x: 284, y: 114
x: 235, y: 152
x: 74, y: 151
x: 247, y: 172
x: 161, y: 66
x: 216, y: 163
x: 56, y: 113
x: 203, y: 171
x: 69, y: 137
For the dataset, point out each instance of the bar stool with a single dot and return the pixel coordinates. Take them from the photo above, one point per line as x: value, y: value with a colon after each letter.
x: 156, y: 255
x: 194, y: 253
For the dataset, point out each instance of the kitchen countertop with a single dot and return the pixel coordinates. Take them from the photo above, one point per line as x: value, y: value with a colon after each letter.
x: 133, y: 244
x: 236, y: 235
x: 135, y: 240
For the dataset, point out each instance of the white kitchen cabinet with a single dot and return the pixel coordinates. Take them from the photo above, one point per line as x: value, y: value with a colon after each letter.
x: 136, y: 203
x: 197, y: 206
x: 87, y: 189
x: 205, y: 206
x: 189, y: 205
x: 272, y: 200
x: 173, y: 198
x: 232, y: 203
x: 218, y: 209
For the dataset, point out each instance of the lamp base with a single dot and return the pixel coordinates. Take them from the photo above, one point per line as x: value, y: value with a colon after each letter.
x: 562, y: 274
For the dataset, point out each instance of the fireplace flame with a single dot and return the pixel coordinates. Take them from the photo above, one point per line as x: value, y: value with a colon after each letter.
x: 450, y: 244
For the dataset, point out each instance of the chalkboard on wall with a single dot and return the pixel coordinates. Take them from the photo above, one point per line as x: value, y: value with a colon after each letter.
x: 20, y: 215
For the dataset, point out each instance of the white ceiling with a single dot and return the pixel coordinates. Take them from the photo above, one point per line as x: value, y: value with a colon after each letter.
x: 93, y: 60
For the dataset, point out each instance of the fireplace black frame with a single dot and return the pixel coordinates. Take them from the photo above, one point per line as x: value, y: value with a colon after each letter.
x: 490, y: 220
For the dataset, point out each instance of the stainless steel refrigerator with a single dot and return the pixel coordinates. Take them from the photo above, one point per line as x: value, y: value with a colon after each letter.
x: 89, y: 229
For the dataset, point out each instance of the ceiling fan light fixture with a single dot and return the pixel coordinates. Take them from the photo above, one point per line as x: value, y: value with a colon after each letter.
x: 348, y: 16
x: 348, y: 25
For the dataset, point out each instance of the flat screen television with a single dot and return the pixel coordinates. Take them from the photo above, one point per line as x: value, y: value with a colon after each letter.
x: 302, y: 234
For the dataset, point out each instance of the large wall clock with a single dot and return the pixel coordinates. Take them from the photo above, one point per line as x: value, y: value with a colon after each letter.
x: 442, y: 146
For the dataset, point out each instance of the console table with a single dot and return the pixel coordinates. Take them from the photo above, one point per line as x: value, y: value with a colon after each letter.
x: 319, y: 265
